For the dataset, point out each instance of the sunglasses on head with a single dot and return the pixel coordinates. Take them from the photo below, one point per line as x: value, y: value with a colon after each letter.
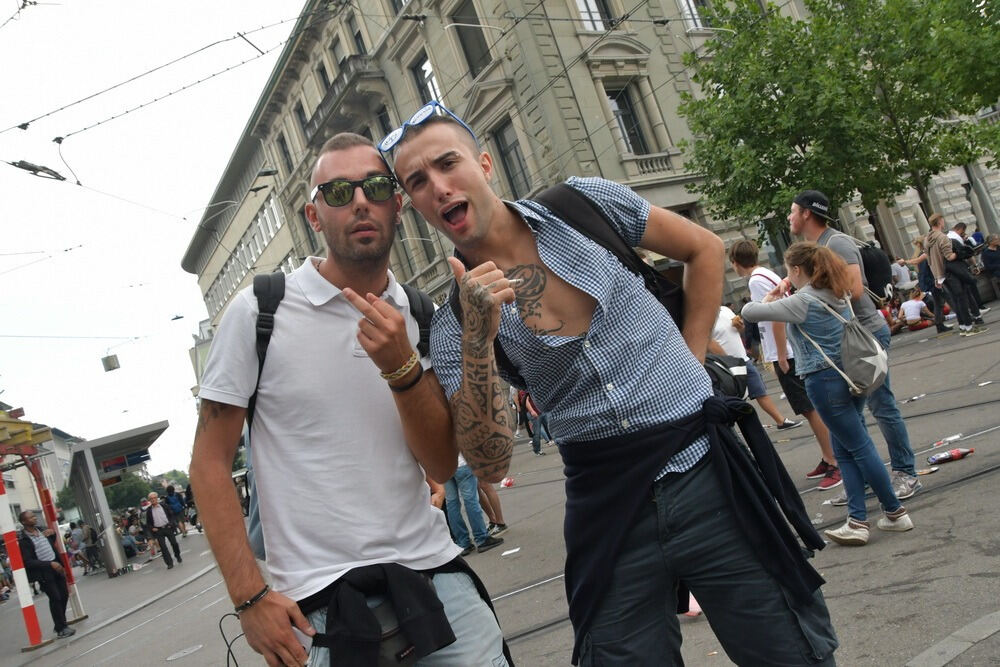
x: 392, y: 139
x: 340, y: 191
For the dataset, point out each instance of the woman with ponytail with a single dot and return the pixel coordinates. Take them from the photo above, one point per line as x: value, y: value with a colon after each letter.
x: 820, y: 276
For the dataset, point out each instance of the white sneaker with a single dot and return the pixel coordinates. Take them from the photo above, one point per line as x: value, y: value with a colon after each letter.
x: 853, y: 533
x: 896, y: 522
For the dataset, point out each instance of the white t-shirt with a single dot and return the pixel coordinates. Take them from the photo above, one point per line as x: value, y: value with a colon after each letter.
x: 911, y: 309
x: 726, y: 335
x: 901, y: 274
x: 338, y: 487
x: 761, y: 282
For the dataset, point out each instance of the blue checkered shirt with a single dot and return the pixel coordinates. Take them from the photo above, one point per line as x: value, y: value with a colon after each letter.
x: 630, y: 372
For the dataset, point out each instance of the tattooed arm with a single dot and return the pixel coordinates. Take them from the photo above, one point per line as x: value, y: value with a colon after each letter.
x: 267, y: 624
x: 479, y: 407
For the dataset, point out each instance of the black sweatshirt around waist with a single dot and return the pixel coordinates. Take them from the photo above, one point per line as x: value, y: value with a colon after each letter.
x: 608, y: 480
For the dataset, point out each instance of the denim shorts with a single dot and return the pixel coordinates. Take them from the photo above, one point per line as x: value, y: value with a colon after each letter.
x: 755, y: 383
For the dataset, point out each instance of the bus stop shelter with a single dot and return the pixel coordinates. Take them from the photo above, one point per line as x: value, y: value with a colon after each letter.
x: 100, y: 463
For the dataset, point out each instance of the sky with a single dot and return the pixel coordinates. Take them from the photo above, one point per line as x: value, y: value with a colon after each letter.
x: 83, y: 272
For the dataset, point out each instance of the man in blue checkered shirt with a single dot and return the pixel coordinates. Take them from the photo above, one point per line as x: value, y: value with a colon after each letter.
x: 605, y: 360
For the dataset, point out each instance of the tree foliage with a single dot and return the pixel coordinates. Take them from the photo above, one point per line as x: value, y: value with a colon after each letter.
x: 127, y: 493
x: 178, y: 478
x: 850, y: 100
x: 66, y: 499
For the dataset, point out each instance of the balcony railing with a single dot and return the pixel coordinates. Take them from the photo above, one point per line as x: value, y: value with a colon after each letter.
x: 352, y: 68
x: 649, y: 164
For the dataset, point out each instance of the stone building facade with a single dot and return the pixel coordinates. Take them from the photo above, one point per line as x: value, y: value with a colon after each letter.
x: 553, y: 89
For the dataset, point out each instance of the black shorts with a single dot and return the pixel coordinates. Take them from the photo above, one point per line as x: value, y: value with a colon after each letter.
x: 794, y: 388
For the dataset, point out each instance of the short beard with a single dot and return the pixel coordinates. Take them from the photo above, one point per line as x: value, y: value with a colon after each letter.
x: 362, y: 254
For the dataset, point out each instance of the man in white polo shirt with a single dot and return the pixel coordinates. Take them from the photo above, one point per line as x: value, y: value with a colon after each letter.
x: 347, y: 419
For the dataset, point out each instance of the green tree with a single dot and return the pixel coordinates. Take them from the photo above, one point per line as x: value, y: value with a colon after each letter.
x: 127, y: 493
x: 66, y: 499
x: 178, y: 478
x: 847, y: 101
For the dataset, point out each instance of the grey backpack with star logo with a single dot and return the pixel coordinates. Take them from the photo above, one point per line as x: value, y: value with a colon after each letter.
x: 864, y: 362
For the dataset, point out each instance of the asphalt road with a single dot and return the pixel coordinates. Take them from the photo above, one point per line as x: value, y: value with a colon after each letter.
x: 896, y: 598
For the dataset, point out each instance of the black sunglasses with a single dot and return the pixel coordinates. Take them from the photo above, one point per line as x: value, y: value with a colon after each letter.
x: 340, y: 191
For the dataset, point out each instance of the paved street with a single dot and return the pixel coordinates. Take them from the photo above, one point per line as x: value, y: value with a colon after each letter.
x: 902, y: 596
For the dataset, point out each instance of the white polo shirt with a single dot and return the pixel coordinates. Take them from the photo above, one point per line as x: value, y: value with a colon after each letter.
x: 338, y: 487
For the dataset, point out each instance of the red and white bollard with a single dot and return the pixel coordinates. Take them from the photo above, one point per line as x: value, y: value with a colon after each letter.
x: 20, y: 576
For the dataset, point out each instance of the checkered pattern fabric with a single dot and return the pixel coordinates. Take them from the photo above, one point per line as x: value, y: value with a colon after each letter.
x: 631, y: 371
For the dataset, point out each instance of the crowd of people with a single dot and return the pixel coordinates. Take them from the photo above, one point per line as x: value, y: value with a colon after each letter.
x: 140, y: 530
x: 607, y: 374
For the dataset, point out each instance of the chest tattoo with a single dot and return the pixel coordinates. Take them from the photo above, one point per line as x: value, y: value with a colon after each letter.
x: 529, y: 297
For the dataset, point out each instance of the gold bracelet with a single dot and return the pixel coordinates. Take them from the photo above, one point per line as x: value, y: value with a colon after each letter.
x: 402, y: 370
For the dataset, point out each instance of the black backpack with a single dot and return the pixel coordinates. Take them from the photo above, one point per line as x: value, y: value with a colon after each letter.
x: 582, y: 214
x: 269, y: 288
x: 877, y: 267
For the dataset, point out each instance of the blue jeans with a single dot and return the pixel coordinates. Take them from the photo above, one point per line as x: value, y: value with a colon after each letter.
x: 882, y: 403
x: 464, y: 484
x: 478, y: 637
x: 540, y: 431
x: 687, y: 532
x: 859, y: 462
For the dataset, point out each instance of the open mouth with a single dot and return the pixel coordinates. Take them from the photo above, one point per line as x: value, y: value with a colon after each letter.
x: 455, y: 214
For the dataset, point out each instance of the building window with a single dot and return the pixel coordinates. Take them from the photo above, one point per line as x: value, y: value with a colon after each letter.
x: 695, y: 13
x: 286, y: 155
x: 595, y: 14
x: 397, y: 6
x: 366, y: 132
x: 359, y: 40
x: 323, y: 77
x: 477, y: 53
x: 338, y: 52
x: 300, y: 115
x: 512, y: 160
x: 427, y: 84
x: 628, y: 122
x: 384, y: 123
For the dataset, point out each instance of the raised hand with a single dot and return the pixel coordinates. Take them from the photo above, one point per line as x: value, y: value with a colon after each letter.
x: 482, y: 291
x: 381, y: 331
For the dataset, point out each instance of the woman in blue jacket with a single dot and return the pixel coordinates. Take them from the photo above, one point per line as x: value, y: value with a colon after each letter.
x: 820, y: 276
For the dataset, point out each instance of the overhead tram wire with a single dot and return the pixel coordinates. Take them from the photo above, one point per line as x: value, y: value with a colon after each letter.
x: 238, y: 35
x: 169, y: 94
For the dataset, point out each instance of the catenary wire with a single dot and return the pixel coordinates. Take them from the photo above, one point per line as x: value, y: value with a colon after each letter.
x: 25, y: 124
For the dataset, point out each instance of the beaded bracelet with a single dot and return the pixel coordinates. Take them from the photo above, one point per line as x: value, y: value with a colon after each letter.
x: 402, y: 370
x: 411, y: 384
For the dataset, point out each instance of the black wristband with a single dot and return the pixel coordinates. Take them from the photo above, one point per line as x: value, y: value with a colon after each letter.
x: 412, y: 383
x: 252, y: 601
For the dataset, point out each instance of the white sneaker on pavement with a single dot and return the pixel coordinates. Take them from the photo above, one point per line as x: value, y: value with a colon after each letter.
x: 853, y: 533
x: 896, y: 522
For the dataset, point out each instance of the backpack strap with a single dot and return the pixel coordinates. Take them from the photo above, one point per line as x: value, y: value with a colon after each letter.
x: 269, y: 288
x: 584, y: 215
x: 422, y: 309
x: 848, y: 380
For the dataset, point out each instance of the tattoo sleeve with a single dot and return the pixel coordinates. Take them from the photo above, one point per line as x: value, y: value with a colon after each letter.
x: 479, y: 407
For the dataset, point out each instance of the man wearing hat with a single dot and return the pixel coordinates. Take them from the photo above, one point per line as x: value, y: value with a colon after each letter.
x: 808, y: 217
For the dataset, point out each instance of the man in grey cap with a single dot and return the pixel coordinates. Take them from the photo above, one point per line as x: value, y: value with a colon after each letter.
x: 810, y: 212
